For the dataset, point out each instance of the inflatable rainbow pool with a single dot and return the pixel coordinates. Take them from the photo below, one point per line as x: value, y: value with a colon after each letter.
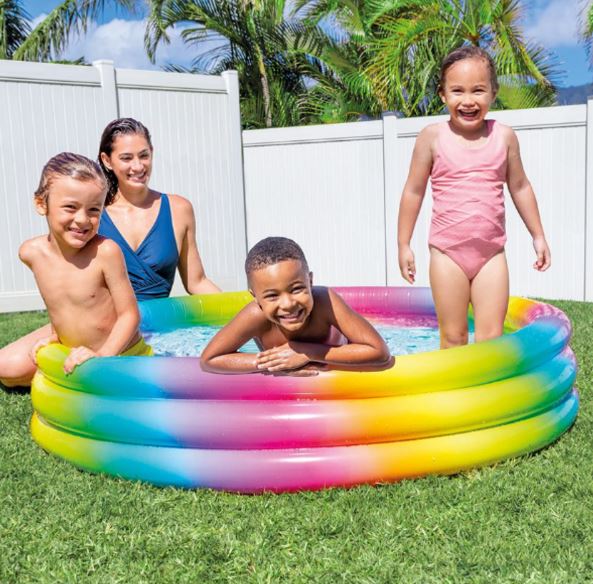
x: 165, y: 421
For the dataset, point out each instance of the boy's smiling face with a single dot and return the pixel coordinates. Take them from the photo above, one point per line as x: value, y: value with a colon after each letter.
x: 73, y: 210
x: 283, y: 292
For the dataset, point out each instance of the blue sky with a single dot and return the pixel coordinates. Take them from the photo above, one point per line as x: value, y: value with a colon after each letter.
x: 119, y: 36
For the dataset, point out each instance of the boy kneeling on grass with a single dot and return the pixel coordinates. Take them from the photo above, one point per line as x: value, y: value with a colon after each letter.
x: 81, y: 276
x: 299, y: 327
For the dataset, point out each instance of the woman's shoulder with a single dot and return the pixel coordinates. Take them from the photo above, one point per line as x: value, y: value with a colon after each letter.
x: 181, y: 207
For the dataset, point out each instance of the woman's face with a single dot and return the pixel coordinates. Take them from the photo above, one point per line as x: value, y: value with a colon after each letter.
x: 131, y: 161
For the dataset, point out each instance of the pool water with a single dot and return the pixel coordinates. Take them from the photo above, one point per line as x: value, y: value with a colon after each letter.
x: 402, y: 336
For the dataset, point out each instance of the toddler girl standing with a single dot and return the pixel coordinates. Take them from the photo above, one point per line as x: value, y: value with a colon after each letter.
x: 468, y: 160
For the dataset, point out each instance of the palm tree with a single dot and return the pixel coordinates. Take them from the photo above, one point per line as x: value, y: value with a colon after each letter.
x: 50, y: 37
x: 252, y: 36
x: 413, y: 40
x: 14, y: 27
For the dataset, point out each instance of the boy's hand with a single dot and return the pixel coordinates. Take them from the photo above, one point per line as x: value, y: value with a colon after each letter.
x: 77, y: 356
x: 280, y: 358
x: 40, y: 344
x: 407, y: 263
x: 544, y: 258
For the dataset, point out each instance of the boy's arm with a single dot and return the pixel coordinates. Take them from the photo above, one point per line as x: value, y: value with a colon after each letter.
x: 365, y: 349
x: 124, y: 301
x: 190, y: 264
x: 524, y: 199
x: 411, y: 201
x: 221, y: 356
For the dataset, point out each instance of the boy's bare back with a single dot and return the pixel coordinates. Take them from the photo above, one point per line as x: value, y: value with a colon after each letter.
x: 78, y: 290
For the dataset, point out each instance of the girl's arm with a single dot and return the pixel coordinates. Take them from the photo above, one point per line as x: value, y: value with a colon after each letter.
x: 221, y: 354
x: 366, y: 350
x: 190, y: 265
x: 526, y: 203
x: 411, y: 200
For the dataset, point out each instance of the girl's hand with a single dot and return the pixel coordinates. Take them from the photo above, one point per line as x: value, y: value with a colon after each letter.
x: 407, y: 264
x: 40, y: 344
x: 77, y: 356
x: 544, y: 258
x: 280, y: 358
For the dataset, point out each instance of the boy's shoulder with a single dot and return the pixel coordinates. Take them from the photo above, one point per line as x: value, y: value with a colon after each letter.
x: 32, y: 248
x: 106, y: 247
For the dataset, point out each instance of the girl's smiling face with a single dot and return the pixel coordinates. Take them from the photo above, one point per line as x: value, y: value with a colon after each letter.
x: 468, y: 94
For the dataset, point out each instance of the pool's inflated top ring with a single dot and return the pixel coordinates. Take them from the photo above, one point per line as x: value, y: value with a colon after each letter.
x: 163, y: 420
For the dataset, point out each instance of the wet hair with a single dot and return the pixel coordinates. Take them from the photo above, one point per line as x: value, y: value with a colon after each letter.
x: 468, y: 52
x: 119, y: 127
x: 70, y: 165
x: 272, y: 250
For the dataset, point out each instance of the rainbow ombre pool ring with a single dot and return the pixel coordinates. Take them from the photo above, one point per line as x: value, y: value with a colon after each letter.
x: 165, y: 421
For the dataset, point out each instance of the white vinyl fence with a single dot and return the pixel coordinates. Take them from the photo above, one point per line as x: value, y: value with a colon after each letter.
x: 195, y: 125
x: 335, y: 189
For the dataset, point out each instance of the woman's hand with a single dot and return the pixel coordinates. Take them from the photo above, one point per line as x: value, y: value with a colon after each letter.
x: 544, y: 258
x: 77, y: 356
x: 281, y: 358
x: 407, y: 263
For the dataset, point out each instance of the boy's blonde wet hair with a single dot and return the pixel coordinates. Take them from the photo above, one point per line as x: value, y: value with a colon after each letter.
x: 74, y: 166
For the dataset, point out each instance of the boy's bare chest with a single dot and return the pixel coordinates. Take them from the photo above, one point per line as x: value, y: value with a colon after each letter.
x: 62, y: 283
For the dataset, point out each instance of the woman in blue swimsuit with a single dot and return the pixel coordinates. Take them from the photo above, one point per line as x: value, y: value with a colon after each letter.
x: 156, y: 232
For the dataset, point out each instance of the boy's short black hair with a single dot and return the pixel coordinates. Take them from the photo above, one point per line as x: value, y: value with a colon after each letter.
x: 272, y: 250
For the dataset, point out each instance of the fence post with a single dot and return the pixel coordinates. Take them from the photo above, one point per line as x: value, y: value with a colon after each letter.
x: 391, y: 185
x: 108, y: 89
x: 588, y: 267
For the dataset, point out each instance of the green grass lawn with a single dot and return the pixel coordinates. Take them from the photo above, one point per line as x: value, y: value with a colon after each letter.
x: 526, y: 520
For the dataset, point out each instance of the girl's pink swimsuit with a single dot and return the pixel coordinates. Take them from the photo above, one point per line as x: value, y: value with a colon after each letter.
x: 468, y: 221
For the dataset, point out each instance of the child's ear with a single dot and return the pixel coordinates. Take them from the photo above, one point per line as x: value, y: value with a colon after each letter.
x: 310, y: 278
x: 40, y: 205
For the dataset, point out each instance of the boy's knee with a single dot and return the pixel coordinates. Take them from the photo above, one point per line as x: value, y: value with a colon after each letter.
x: 453, y: 338
x: 16, y: 370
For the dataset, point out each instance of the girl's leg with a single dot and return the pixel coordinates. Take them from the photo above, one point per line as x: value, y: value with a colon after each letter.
x: 16, y: 365
x: 490, y: 298
x: 450, y: 291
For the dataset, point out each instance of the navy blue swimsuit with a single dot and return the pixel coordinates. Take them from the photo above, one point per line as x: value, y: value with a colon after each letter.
x: 151, y: 268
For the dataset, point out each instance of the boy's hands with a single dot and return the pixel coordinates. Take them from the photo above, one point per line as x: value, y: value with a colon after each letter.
x: 280, y: 358
x: 407, y: 263
x: 544, y: 258
x: 40, y: 344
x: 77, y: 356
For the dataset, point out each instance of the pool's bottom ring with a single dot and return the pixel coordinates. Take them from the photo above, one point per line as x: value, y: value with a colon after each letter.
x: 279, y: 470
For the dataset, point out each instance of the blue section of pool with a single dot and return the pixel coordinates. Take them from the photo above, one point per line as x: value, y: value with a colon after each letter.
x: 400, y: 338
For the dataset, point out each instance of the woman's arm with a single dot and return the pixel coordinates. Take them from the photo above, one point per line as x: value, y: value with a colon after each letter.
x: 524, y: 199
x: 411, y: 201
x: 190, y: 264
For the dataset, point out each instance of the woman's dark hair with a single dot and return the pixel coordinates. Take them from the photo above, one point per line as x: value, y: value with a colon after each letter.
x: 119, y: 127
x: 468, y: 52
x: 73, y: 165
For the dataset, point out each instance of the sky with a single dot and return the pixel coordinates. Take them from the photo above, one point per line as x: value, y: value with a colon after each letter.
x: 120, y: 38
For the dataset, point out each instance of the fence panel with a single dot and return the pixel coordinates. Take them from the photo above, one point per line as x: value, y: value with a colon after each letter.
x: 196, y: 132
x: 323, y: 187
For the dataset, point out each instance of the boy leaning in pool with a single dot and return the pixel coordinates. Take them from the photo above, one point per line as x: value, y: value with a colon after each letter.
x: 81, y: 275
x: 296, y: 325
